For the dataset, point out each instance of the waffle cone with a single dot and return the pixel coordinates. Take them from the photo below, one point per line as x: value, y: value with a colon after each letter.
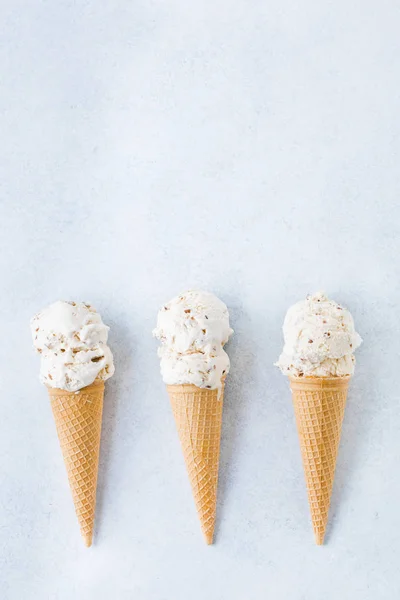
x: 78, y: 418
x: 319, y: 405
x: 198, y: 418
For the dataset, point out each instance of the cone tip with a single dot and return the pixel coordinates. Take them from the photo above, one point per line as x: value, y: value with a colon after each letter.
x: 319, y: 537
x: 209, y: 537
x: 88, y: 538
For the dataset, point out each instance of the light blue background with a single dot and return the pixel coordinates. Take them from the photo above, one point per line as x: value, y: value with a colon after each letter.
x: 249, y: 148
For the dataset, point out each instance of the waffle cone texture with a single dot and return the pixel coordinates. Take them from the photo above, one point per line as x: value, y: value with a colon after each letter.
x: 198, y: 418
x: 319, y: 404
x: 78, y: 417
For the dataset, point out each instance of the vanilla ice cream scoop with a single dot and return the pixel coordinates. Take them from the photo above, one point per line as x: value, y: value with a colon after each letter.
x: 71, y: 339
x: 193, y: 328
x: 320, y: 339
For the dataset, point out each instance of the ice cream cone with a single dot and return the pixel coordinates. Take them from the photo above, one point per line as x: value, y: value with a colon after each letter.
x: 198, y: 417
x: 78, y: 418
x: 319, y: 404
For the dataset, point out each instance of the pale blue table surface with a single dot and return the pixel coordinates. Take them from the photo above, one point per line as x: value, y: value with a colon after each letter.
x: 249, y: 148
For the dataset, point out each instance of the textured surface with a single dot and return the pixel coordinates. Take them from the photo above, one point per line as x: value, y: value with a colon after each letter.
x: 250, y: 148
x: 319, y: 406
x: 198, y: 418
x: 78, y: 420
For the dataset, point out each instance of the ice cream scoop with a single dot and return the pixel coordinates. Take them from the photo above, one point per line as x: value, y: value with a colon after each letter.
x: 193, y: 328
x: 71, y: 339
x: 320, y: 339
